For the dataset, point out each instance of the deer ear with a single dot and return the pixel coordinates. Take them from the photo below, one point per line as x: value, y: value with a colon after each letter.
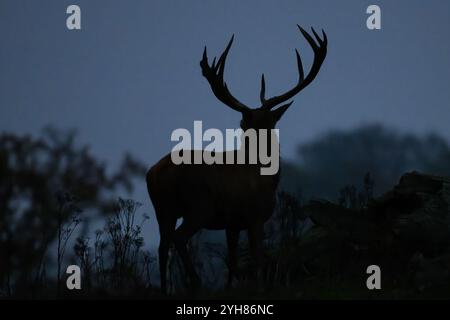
x: 278, y: 113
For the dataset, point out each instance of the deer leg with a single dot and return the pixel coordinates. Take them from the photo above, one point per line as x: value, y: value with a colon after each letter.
x: 166, y: 231
x: 181, y: 236
x: 255, y: 239
x: 232, y: 243
x: 163, y: 253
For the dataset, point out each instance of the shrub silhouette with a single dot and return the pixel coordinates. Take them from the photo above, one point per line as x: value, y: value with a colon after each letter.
x: 117, y: 265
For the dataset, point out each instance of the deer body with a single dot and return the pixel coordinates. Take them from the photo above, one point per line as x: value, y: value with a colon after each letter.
x: 226, y: 195
x: 233, y: 197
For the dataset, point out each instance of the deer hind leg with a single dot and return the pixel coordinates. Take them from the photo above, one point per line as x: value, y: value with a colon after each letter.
x: 232, y: 244
x: 181, y: 236
x: 166, y: 230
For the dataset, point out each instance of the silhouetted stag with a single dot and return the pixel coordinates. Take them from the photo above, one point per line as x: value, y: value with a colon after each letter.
x: 233, y: 197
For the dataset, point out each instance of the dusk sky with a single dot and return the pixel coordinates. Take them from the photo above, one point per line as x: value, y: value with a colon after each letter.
x: 131, y: 75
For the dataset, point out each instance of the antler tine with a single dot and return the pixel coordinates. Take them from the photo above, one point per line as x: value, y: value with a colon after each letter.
x: 308, y: 38
x: 223, y: 58
x: 262, y: 93
x: 319, y: 47
x: 301, y: 74
x: 324, y: 35
x: 214, y: 75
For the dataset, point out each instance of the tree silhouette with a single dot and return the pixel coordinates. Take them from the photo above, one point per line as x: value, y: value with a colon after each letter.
x: 36, y: 174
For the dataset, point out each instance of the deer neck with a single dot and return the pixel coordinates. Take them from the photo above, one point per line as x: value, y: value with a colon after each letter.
x: 263, y: 151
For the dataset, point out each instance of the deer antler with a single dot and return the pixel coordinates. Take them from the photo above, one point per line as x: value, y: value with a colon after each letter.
x: 320, y: 52
x: 214, y: 75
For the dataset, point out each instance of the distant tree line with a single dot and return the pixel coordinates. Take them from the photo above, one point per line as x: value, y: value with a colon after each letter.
x: 341, y: 158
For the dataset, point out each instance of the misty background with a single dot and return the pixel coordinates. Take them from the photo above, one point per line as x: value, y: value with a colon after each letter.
x: 131, y: 75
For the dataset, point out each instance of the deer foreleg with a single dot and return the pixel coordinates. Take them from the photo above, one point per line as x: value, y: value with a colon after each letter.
x: 255, y: 239
x: 232, y: 243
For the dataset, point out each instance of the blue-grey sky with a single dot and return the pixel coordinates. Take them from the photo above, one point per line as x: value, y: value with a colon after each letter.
x: 132, y: 74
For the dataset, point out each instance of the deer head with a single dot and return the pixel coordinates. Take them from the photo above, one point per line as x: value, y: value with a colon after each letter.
x: 266, y: 115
